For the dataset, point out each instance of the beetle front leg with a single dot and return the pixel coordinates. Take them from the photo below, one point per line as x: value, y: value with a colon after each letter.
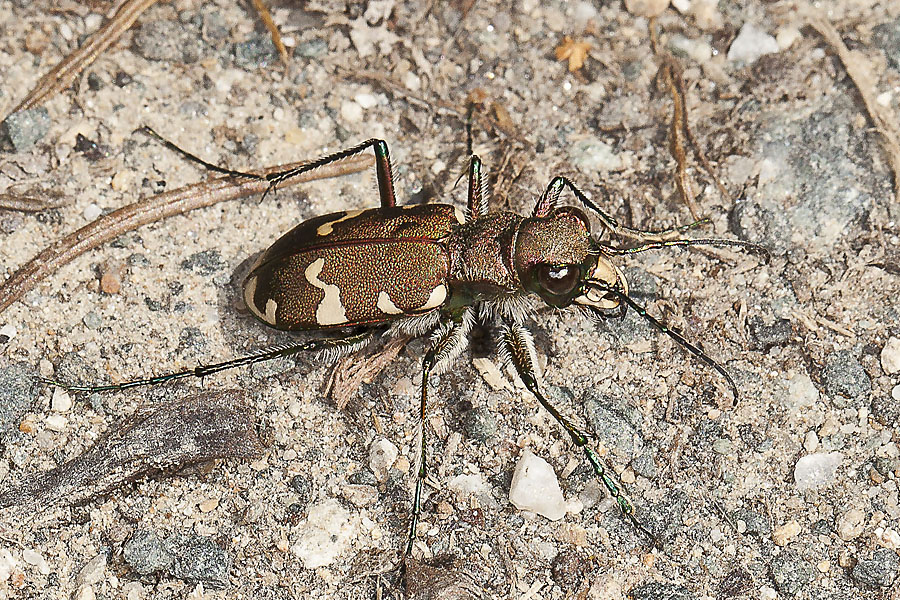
x: 519, y: 348
x: 550, y: 198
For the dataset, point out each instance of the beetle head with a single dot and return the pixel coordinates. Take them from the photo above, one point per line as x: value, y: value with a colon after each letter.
x: 557, y: 259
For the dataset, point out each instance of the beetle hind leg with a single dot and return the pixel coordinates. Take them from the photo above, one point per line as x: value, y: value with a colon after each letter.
x: 328, y: 346
x: 518, y: 348
x: 382, y: 168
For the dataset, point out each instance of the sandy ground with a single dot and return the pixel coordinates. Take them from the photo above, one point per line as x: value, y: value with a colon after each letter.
x: 805, y: 334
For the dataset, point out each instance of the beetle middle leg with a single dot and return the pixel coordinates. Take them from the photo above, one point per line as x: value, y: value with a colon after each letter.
x: 519, y: 348
x: 447, y: 343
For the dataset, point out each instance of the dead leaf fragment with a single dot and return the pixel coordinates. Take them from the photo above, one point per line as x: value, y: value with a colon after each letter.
x: 574, y: 52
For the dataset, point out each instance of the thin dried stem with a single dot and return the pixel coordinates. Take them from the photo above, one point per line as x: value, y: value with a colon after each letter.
x: 149, y: 210
x: 671, y: 73
x: 861, y: 73
x: 30, y: 202
x: 63, y: 74
x: 267, y: 20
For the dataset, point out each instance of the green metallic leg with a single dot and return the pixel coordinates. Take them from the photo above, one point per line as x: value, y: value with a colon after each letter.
x: 518, y: 345
x: 382, y: 168
x: 339, y: 344
x: 450, y: 339
x: 550, y: 198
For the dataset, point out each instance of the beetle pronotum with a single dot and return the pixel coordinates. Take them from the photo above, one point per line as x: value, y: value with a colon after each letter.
x: 432, y: 269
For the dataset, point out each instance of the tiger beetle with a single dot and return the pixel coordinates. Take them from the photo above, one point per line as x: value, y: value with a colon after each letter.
x: 434, y: 269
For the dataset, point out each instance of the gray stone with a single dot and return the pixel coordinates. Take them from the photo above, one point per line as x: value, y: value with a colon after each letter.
x: 22, y: 130
x: 18, y: 393
x: 819, y: 178
x: 168, y: 41
x: 757, y: 524
x: 764, y: 336
x: 845, y: 376
x: 877, y: 570
x: 609, y: 423
x: 258, y: 51
x: 146, y: 554
x: 790, y: 573
x: 480, y: 425
x: 887, y: 37
x: 198, y: 559
x: 657, y: 590
x: 206, y: 262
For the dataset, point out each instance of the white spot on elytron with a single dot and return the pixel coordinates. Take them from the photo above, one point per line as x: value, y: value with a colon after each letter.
x: 460, y: 215
x: 271, y: 307
x: 437, y: 297
x: 330, y: 310
x: 387, y: 306
x: 327, y: 228
x: 249, y: 293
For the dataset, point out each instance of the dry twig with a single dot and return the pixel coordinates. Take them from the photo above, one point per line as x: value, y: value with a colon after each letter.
x: 671, y: 73
x: 64, y: 73
x: 267, y: 20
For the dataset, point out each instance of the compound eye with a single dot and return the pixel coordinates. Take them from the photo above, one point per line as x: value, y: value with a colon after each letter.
x: 558, y: 280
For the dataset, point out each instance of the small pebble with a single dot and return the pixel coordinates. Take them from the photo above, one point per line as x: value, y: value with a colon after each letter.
x: 93, y: 570
x: 646, y: 8
x: 208, y: 506
x: 7, y: 564
x: 491, y: 373
x: 366, y: 101
x: 790, y: 573
x: 751, y: 43
x: 810, y: 441
x: 382, y: 456
x: 35, y: 559
x: 327, y: 534
x: 845, y: 376
x: 535, y: 487
x: 816, y: 470
x: 593, y: 155
x: 7, y: 332
x: 351, y: 111
x: 91, y: 212
x: 802, y: 392
x: 56, y: 423
x: 61, y: 400
x: 850, y: 524
x: 889, y: 538
x: 467, y: 485
x: 21, y: 130
x: 784, y: 534
x: 890, y: 356
x: 111, y: 278
x: 92, y: 320
x: 823, y: 566
x: 359, y: 494
x: 786, y: 36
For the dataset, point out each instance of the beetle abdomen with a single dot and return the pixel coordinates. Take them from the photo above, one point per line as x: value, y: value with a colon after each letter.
x: 354, y: 268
